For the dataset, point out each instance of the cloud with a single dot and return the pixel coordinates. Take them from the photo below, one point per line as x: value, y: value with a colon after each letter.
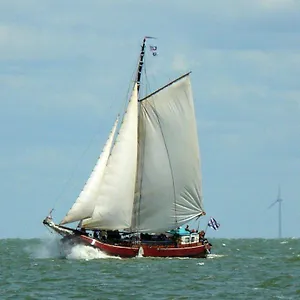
x: 278, y: 4
x: 238, y: 9
x: 34, y: 43
x: 262, y: 72
x: 64, y: 64
x: 181, y: 63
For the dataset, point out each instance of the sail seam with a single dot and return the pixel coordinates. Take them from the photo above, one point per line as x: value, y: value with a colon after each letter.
x: 170, y: 165
x: 140, y: 168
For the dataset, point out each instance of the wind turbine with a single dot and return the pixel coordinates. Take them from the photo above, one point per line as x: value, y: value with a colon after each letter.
x: 279, y: 201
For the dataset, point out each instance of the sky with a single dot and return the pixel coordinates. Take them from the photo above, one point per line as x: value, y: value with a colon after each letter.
x: 65, y: 70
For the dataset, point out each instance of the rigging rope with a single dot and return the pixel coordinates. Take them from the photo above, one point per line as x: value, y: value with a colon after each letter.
x: 122, y: 108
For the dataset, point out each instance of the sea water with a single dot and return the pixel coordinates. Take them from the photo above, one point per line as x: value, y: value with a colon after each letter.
x: 237, y: 269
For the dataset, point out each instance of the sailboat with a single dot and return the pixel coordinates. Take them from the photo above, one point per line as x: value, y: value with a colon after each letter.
x: 147, y: 182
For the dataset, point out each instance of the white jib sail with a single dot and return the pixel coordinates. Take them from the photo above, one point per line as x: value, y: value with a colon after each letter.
x: 115, y: 200
x: 85, y: 203
x: 169, y: 188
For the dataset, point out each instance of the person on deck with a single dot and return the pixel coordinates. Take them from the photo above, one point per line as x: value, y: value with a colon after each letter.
x: 202, y: 238
x: 187, y: 228
x: 96, y: 234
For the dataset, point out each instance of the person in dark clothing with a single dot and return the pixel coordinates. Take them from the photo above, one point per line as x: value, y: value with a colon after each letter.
x: 202, y: 238
x: 96, y: 234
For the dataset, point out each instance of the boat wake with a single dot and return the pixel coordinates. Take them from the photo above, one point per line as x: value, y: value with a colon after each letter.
x: 210, y: 256
x: 48, y: 247
x: 51, y: 247
x: 86, y: 253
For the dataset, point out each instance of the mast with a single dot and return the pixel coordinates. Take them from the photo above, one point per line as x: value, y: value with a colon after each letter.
x: 138, y: 83
x: 139, y: 154
x: 140, y: 66
x: 141, y: 62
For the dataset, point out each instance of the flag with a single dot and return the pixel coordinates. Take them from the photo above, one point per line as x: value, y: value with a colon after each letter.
x: 153, y: 49
x: 213, y: 224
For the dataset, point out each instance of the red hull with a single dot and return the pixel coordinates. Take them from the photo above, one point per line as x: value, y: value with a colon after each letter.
x: 180, y: 251
x: 197, y: 250
x: 194, y: 249
x: 122, y: 251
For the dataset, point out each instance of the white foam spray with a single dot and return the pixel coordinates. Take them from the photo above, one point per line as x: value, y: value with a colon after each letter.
x: 51, y: 247
x: 87, y: 253
x: 141, y: 252
x: 211, y: 256
x: 48, y: 247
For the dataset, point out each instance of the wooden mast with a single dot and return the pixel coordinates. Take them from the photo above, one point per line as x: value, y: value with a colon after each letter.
x: 140, y: 66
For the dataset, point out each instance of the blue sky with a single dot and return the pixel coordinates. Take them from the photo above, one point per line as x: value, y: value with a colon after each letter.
x: 65, y: 68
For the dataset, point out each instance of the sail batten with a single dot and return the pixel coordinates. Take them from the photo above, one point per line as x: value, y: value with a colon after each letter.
x: 114, y: 204
x: 169, y: 191
x: 85, y: 203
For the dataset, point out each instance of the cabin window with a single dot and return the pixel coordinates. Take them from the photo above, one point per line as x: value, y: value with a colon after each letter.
x: 187, y: 240
x: 192, y: 239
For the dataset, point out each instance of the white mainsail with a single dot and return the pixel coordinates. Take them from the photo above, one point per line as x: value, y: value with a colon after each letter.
x: 169, y: 188
x: 85, y: 203
x: 116, y: 195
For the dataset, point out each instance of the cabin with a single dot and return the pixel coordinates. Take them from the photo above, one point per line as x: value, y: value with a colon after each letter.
x: 189, y: 239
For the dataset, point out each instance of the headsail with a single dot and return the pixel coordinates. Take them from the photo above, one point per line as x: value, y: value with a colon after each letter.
x: 85, y: 203
x: 169, y: 188
x: 116, y: 195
